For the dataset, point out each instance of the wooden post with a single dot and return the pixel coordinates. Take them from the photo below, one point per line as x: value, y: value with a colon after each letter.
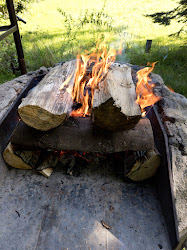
x: 148, y: 46
x: 17, y: 39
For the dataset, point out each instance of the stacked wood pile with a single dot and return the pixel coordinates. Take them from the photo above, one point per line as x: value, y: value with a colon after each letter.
x: 115, y: 125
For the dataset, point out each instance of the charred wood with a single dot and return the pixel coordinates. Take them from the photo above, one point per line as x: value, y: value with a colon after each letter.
x: 80, y: 135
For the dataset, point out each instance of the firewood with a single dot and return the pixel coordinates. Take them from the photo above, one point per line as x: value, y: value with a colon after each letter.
x: 47, y: 163
x: 80, y: 135
x: 46, y: 172
x: 46, y: 106
x: 114, y: 106
x: 144, y: 167
x: 20, y: 159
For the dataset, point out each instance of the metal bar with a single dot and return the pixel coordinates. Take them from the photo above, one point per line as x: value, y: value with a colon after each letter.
x: 8, y: 32
x: 164, y: 178
x: 4, y: 28
x: 20, y: 19
x: 10, y: 119
x: 17, y: 39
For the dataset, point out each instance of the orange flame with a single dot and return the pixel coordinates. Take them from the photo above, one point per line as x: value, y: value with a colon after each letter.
x: 171, y: 89
x: 144, y: 89
x: 91, y: 68
x: 120, y: 47
x: 86, y: 82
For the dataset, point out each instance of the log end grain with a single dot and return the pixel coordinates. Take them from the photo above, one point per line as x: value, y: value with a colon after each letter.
x: 12, y: 159
x: 39, y: 118
x: 145, y: 168
x: 110, y: 117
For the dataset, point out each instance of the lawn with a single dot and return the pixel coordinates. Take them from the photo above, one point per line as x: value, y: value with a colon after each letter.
x: 57, y: 30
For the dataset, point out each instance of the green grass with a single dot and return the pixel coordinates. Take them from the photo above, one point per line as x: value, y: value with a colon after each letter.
x: 50, y: 37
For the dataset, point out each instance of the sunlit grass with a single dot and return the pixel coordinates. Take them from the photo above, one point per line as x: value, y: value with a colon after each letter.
x: 47, y: 40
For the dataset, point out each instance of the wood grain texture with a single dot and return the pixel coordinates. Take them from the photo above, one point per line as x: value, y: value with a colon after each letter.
x: 114, y: 106
x: 46, y: 106
x: 80, y: 135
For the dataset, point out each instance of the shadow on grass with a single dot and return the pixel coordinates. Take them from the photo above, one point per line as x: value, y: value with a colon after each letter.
x: 47, y: 49
x: 35, y: 36
x: 44, y: 49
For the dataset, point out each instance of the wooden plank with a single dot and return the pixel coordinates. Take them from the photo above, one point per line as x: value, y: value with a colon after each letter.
x: 8, y: 32
x: 80, y: 135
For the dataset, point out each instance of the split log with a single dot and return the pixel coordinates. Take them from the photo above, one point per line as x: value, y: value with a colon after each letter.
x: 48, y: 162
x: 141, y: 165
x: 46, y: 106
x: 80, y: 135
x: 114, y: 107
x: 20, y: 159
x: 46, y: 172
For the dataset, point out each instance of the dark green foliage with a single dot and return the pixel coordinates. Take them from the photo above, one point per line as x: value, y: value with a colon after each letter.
x: 8, y: 55
x: 179, y: 13
x: 19, y: 6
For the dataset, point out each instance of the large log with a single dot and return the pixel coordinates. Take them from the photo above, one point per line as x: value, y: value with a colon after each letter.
x: 79, y: 134
x: 46, y: 106
x: 114, y: 106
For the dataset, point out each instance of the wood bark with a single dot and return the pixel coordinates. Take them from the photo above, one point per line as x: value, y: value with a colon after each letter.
x: 46, y: 106
x: 80, y: 135
x: 114, y: 104
x: 20, y: 158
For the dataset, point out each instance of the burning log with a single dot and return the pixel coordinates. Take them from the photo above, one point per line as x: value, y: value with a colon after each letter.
x: 78, y: 134
x: 46, y: 106
x: 114, y: 105
x: 20, y: 158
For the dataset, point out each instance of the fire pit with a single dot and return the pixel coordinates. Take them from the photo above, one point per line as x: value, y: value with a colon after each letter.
x: 163, y: 177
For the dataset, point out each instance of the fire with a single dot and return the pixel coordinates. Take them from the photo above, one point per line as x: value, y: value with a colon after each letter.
x: 91, y: 69
x: 144, y: 89
x: 171, y: 89
x: 86, y: 82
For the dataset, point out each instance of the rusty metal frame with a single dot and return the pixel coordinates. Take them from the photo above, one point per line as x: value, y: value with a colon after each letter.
x: 13, y: 28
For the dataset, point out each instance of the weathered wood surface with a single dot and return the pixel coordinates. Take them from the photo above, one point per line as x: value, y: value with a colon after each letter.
x: 46, y: 106
x: 20, y: 158
x: 80, y: 135
x: 114, y: 106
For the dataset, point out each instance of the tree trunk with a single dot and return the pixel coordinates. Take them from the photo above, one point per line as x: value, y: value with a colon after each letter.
x: 46, y: 106
x: 80, y: 135
x: 114, y: 106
